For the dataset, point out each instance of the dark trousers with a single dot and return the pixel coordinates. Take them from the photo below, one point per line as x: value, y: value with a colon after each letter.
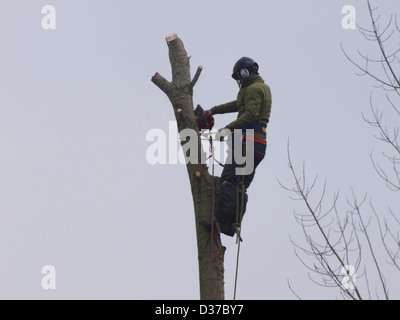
x: 232, y: 187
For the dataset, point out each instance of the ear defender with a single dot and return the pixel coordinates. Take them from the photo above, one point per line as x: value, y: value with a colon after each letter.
x: 244, y: 73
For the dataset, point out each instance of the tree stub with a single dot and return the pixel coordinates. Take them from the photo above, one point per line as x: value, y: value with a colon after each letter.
x: 171, y: 37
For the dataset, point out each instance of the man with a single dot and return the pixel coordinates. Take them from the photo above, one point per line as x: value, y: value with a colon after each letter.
x: 253, y: 105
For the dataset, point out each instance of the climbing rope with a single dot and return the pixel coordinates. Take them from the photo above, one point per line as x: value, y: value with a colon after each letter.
x: 212, y: 215
x: 238, y: 226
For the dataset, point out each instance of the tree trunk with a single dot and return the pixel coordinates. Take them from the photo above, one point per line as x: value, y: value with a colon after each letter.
x: 180, y: 93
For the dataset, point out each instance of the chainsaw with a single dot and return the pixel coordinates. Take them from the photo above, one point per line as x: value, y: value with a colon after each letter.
x: 204, y: 121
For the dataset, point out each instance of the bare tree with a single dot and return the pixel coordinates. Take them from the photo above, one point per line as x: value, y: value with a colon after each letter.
x: 343, y: 246
x: 204, y: 188
x: 385, y: 70
x: 335, y: 239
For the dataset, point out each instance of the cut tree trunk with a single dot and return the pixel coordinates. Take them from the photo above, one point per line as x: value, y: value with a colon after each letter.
x: 180, y: 93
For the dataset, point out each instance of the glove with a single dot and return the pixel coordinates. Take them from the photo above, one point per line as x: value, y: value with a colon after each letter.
x: 222, y: 133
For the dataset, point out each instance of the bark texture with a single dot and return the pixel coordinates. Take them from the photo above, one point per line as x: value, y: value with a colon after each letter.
x: 180, y: 93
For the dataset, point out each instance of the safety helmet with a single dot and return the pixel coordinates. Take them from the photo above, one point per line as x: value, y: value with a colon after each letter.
x: 244, y: 68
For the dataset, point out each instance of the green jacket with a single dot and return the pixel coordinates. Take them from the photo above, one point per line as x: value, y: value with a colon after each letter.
x: 253, y: 104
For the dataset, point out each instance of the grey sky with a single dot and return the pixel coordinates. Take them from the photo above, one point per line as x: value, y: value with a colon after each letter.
x: 76, y: 103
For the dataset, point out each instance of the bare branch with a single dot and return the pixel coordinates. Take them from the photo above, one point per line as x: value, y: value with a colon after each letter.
x: 196, y: 76
x: 356, y: 210
x: 383, y: 233
x: 162, y: 83
x: 379, y: 40
x: 290, y: 287
x: 328, y: 248
x: 365, y: 71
